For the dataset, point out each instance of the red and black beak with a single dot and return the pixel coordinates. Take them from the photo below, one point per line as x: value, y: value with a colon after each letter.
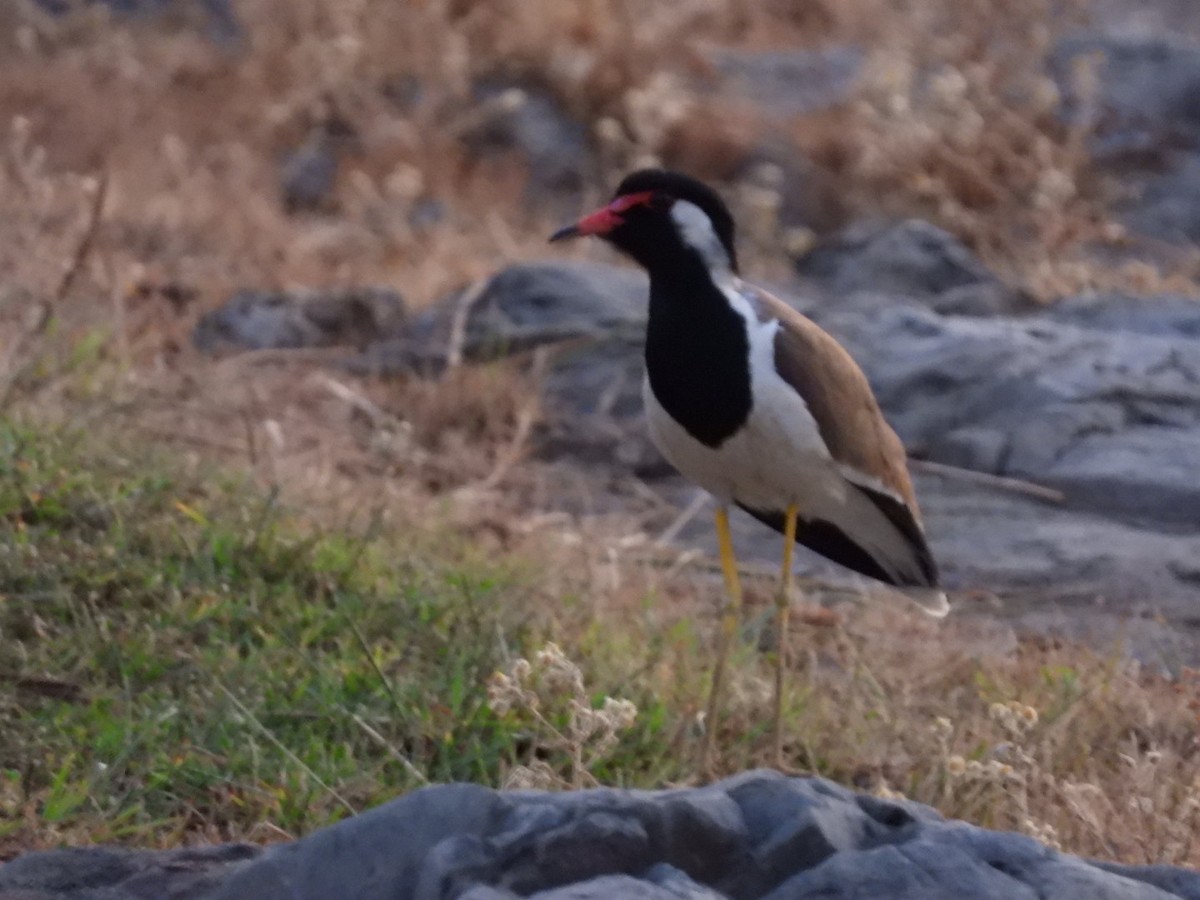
x: 603, y: 220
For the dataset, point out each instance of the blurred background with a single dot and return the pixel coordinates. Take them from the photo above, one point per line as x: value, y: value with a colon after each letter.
x: 306, y: 239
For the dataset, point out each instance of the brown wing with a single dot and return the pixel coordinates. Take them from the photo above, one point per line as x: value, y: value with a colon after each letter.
x: 839, y: 398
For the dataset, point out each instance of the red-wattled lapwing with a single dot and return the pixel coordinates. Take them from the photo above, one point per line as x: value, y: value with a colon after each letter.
x: 760, y: 407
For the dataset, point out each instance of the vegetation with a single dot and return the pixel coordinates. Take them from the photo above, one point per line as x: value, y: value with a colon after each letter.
x: 186, y: 658
x: 243, y: 599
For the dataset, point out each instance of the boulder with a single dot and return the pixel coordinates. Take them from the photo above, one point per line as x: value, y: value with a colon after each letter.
x: 786, y: 83
x: 1146, y: 121
x: 255, y: 319
x: 910, y: 258
x: 1099, y: 397
x: 755, y: 835
x: 526, y: 120
x: 1110, y: 417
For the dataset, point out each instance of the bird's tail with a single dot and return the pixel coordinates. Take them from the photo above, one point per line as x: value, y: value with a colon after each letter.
x: 931, y: 601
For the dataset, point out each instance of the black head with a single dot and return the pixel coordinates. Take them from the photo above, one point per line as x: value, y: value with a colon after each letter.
x: 656, y: 216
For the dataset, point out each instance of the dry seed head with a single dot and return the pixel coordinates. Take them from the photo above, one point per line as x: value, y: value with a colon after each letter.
x: 1054, y: 188
x: 621, y: 713
x: 500, y: 690
x: 537, y: 776
x: 956, y: 766
x: 1046, y: 96
x: 883, y: 792
x: 967, y: 128
x: 558, y: 673
x: 610, y: 133
x: 949, y: 88
x: 405, y: 182
x: 654, y: 109
x: 798, y: 240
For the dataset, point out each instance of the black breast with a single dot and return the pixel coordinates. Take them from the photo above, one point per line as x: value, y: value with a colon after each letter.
x: 697, y: 358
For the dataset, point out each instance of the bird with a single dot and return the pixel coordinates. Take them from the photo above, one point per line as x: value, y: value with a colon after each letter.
x: 755, y: 403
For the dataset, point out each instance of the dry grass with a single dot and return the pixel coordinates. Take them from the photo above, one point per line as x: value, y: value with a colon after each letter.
x: 185, y: 138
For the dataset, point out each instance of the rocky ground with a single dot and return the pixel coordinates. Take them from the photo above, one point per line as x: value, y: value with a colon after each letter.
x: 757, y: 835
x: 1094, y: 399
x: 1097, y: 398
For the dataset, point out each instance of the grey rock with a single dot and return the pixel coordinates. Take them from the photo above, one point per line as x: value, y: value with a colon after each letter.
x: 1164, y: 315
x: 1146, y: 124
x: 756, y: 835
x: 255, y: 320
x: 785, y: 83
x: 912, y: 258
x: 308, y: 173
x: 215, y: 17
x: 521, y: 308
x: 1166, y: 201
x: 1098, y: 396
x: 1148, y: 90
x: 809, y: 196
x: 661, y: 882
x: 1113, y: 418
x: 1167, y: 878
x: 1177, y: 19
x: 538, y: 129
x: 99, y: 873
x: 391, y: 851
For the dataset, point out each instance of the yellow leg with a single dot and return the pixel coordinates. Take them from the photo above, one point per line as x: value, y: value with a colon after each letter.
x: 782, y: 607
x: 729, y: 622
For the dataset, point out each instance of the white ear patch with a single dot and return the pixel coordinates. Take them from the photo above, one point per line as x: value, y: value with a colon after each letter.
x: 696, y: 229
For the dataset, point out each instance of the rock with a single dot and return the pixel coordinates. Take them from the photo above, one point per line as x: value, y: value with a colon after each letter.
x: 1098, y: 396
x: 520, y: 308
x: 1147, y: 124
x: 256, y: 320
x: 786, y: 83
x: 101, y: 873
x: 1178, y: 19
x: 1166, y: 199
x: 308, y: 174
x: 1112, y: 418
x: 1165, y: 315
x: 216, y: 17
x: 530, y: 122
x: 808, y: 195
x: 756, y: 835
x: 911, y: 258
x: 1149, y: 88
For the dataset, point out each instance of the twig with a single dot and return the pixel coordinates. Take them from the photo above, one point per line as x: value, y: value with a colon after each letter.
x: 84, y: 248
x: 283, y: 748
x: 283, y: 356
x: 387, y: 745
x: 177, y: 434
x: 689, y: 512
x: 376, y: 414
x: 525, y: 419
x: 37, y: 324
x: 487, y: 111
x: 458, y: 325
x: 985, y: 479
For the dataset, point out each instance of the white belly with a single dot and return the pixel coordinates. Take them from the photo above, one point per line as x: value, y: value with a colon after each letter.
x: 776, y: 459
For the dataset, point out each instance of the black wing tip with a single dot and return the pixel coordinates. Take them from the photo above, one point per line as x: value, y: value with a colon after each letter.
x: 829, y: 541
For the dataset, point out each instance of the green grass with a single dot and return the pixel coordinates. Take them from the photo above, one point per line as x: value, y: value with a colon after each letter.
x: 184, y: 657
x: 179, y: 652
